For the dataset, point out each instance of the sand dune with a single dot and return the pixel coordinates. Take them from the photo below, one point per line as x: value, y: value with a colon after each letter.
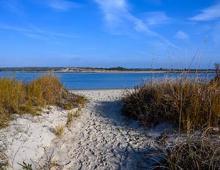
x: 101, y: 138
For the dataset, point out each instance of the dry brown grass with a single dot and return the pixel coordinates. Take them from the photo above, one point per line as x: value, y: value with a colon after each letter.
x: 12, y: 96
x: 71, y: 115
x: 46, y: 90
x: 18, y: 98
x: 189, y: 104
x: 192, y: 153
x: 59, y: 130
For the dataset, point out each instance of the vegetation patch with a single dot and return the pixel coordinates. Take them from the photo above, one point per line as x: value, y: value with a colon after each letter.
x: 20, y: 98
x: 59, y: 130
x: 192, y: 153
x: 188, y: 104
x: 71, y: 115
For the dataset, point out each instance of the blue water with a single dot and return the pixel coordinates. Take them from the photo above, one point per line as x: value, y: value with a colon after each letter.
x: 101, y: 80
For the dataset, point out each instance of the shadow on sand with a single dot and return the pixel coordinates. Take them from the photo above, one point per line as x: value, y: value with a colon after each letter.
x: 133, y: 159
x: 111, y: 110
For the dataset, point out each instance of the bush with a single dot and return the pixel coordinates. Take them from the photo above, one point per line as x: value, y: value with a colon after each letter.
x: 18, y: 98
x: 189, y: 104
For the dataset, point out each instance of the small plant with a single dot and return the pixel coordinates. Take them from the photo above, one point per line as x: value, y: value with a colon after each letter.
x: 25, y: 166
x: 3, y: 160
x: 59, y: 130
x: 81, y: 100
x: 71, y: 115
x: 4, y: 119
x: 48, y: 162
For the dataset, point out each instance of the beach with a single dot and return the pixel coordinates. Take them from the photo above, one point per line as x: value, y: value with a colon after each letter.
x: 109, y: 85
x: 100, y: 138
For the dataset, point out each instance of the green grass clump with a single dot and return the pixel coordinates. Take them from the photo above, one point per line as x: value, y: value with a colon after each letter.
x: 189, y: 104
x: 19, y: 98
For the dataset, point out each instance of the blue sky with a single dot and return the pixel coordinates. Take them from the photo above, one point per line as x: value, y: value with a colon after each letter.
x: 107, y: 33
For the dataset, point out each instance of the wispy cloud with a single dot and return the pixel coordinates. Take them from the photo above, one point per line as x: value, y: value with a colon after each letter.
x: 117, y: 15
x: 35, y: 32
x: 61, y: 5
x: 181, y: 35
x: 118, y: 18
x: 156, y: 18
x: 16, y: 6
x: 210, y: 13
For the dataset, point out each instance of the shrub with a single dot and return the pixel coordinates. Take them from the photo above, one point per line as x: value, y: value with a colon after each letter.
x: 189, y: 104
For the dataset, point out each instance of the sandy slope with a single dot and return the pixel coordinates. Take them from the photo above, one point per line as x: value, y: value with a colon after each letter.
x: 27, y: 137
x: 101, y: 138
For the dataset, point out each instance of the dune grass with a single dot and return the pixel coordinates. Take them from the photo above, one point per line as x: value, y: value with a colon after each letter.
x: 192, y: 153
x: 18, y: 98
x: 59, y: 130
x: 188, y: 104
x: 71, y: 115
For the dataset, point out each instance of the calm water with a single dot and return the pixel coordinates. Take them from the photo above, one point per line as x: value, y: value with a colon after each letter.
x: 101, y: 80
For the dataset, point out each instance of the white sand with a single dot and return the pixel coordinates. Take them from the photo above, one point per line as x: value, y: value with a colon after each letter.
x: 101, y: 138
x: 104, y: 139
x: 27, y: 137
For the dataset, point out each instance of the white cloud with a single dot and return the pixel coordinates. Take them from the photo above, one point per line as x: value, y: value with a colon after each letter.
x: 117, y: 15
x: 61, y: 5
x: 119, y: 19
x: 156, y: 18
x: 211, y: 13
x: 181, y: 35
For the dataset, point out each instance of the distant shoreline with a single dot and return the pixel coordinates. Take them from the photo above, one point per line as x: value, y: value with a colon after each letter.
x: 85, y: 70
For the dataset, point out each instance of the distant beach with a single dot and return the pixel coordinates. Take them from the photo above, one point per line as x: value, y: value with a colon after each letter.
x: 104, y: 70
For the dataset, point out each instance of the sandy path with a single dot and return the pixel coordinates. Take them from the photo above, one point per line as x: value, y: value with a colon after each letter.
x: 101, y: 138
